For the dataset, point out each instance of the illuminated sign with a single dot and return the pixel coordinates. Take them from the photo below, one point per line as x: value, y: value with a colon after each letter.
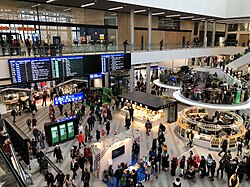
x: 61, y: 100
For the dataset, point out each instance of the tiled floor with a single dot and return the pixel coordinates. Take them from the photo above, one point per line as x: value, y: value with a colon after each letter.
x: 175, y: 144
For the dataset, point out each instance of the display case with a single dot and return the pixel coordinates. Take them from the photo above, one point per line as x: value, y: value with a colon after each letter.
x: 11, y: 97
x: 210, y: 131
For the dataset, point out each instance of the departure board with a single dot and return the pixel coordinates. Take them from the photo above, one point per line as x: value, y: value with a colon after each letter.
x: 40, y: 69
x: 113, y: 62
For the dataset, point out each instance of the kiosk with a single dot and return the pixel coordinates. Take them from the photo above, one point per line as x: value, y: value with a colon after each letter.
x: 61, y: 130
x: 72, y: 86
x: 148, y: 106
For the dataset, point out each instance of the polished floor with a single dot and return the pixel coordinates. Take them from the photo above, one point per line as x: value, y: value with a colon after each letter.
x: 176, y: 146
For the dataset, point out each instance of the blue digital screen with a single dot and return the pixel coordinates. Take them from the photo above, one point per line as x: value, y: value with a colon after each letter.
x: 61, y: 100
x: 112, y: 62
x: 95, y: 76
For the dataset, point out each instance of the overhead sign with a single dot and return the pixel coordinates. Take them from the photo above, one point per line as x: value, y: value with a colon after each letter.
x: 61, y: 100
x: 95, y: 76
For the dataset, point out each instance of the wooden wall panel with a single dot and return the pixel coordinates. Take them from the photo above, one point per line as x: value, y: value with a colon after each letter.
x: 88, y: 16
x: 243, y: 39
x: 123, y: 21
x: 142, y: 21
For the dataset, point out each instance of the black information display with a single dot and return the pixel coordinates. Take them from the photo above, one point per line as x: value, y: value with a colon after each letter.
x: 118, y: 152
x: 40, y: 69
x: 113, y: 62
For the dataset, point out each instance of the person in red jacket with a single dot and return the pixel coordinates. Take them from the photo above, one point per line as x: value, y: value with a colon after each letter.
x: 86, y: 152
x: 81, y: 140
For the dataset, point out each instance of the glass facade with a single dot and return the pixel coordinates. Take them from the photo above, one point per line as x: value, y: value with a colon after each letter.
x: 47, y: 21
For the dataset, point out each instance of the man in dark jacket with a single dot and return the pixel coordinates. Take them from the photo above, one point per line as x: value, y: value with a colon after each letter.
x: 118, y: 175
x: 49, y: 177
x: 85, y: 178
x: 14, y: 113
x: 58, y: 153
x: 223, y: 147
x: 107, y: 124
x: 90, y: 122
x: 60, y: 178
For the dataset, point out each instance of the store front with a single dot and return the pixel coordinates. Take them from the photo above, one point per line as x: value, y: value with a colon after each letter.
x: 149, y: 107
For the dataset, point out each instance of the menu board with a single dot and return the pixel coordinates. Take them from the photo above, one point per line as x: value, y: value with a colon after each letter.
x: 61, y: 100
x: 70, y: 127
x: 113, y: 62
x: 63, y: 133
x: 40, y: 69
x: 54, y: 135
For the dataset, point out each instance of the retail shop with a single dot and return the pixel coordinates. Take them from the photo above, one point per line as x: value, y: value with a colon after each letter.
x: 12, y: 97
x: 149, y: 107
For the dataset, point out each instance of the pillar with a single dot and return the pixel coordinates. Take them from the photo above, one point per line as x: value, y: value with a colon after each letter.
x: 132, y: 27
x: 149, y: 30
x: 226, y: 31
x: 205, y: 34
x: 107, y: 79
x: 213, y: 34
x: 132, y: 78
x: 148, y: 78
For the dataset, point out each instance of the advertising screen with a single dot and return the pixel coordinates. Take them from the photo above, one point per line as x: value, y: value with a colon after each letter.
x: 54, y: 135
x: 63, y: 133
x: 68, y: 98
x: 70, y: 127
x: 118, y: 152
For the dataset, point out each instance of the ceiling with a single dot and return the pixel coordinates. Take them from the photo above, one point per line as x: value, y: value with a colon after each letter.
x: 105, y: 5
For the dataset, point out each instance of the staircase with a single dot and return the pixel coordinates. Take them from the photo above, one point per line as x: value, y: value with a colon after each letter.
x: 243, y: 60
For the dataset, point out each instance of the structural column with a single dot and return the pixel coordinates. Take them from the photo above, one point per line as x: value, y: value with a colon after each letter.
x: 149, y: 30
x: 148, y: 78
x: 132, y: 77
x: 132, y: 27
x: 205, y: 34
x: 226, y: 31
x: 213, y: 34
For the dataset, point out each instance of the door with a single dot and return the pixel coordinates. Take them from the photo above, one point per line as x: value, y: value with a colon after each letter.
x: 142, y: 42
x: 183, y: 41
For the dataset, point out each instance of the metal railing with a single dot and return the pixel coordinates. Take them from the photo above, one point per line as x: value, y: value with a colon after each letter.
x: 52, y: 50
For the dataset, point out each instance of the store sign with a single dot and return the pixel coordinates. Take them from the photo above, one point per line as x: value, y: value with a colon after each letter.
x: 18, y: 28
x: 95, y: 76
x: 56, y: 40
x: 61, y: 100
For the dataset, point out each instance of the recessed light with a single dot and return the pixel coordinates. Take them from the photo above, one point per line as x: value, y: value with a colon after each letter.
x: 159, y: 13
x: 33, y: 6
x: 139, y: 11
x: 49, y: 1
x: 175, y: 15
x: 116, y: 8
x: 89, y: 4
x: 67, y: 9
x: 187, y: 17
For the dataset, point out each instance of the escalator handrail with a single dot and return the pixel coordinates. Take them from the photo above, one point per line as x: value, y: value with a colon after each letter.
x: 13, y: 171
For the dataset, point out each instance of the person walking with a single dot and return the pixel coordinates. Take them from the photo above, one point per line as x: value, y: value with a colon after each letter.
x: 223, y: 147
x: 98, y: 135
x: 190, y: 138
x: 107, y: 125
x: 49, y: 177
x: 41, y: 138
x: 28, y: 122
x: 148, y: 127
x: 161, y: 44
x: 174, y: 164
x: 202, y: 167
x: 13, y: 113
x: 86, y: 133
x: 58, y: 154
x: 80, y: 140
x: 177, y: 182
x: 74, y: 167
x: 60, y: 178
x: 131, y: 113
x: 221, y: 168
x: 239, y: 145
x: 182, y: 165
x: 44, y: 97
x: 125, y: 44
x: 86, y: 178
x: 34, y: 121
x: 147, y: 171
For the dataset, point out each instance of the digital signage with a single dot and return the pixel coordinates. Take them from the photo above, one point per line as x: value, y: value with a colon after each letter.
x: 63, y: 133
x: 41, y: 69
x: 54, y: 135
x: 70, y: 128
x: 118, y: 152
x: 95, y: 76
x: 61, y: 100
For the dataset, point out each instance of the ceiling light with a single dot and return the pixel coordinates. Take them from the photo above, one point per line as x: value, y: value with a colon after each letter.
x: 67, y: 9
x: 49, y: 1
x: 198, y: 19
x: 138, y: 11
x: 210, y: 20
x: 159, y: 13
x: 175, y: 15
x: 116, y: 8
x: 89, y: 4
x: 33, y: 6
x: 187, y: 17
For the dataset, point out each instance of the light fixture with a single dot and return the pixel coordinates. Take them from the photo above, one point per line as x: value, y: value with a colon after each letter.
x: 139, y: 11
x: 67, y: 9
x: 159, y: 13
x: 196, y: 19
x: 187, y: 17
x: 175, y: 15
x: 116, y: 8
x: 89, y: 4
x: 33, y: 6
x: 49, y: 1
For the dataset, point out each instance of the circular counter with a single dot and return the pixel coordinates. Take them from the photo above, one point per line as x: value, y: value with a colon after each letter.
x: 242, y: 106
x: 160, y: 84
x: 207, y: 132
